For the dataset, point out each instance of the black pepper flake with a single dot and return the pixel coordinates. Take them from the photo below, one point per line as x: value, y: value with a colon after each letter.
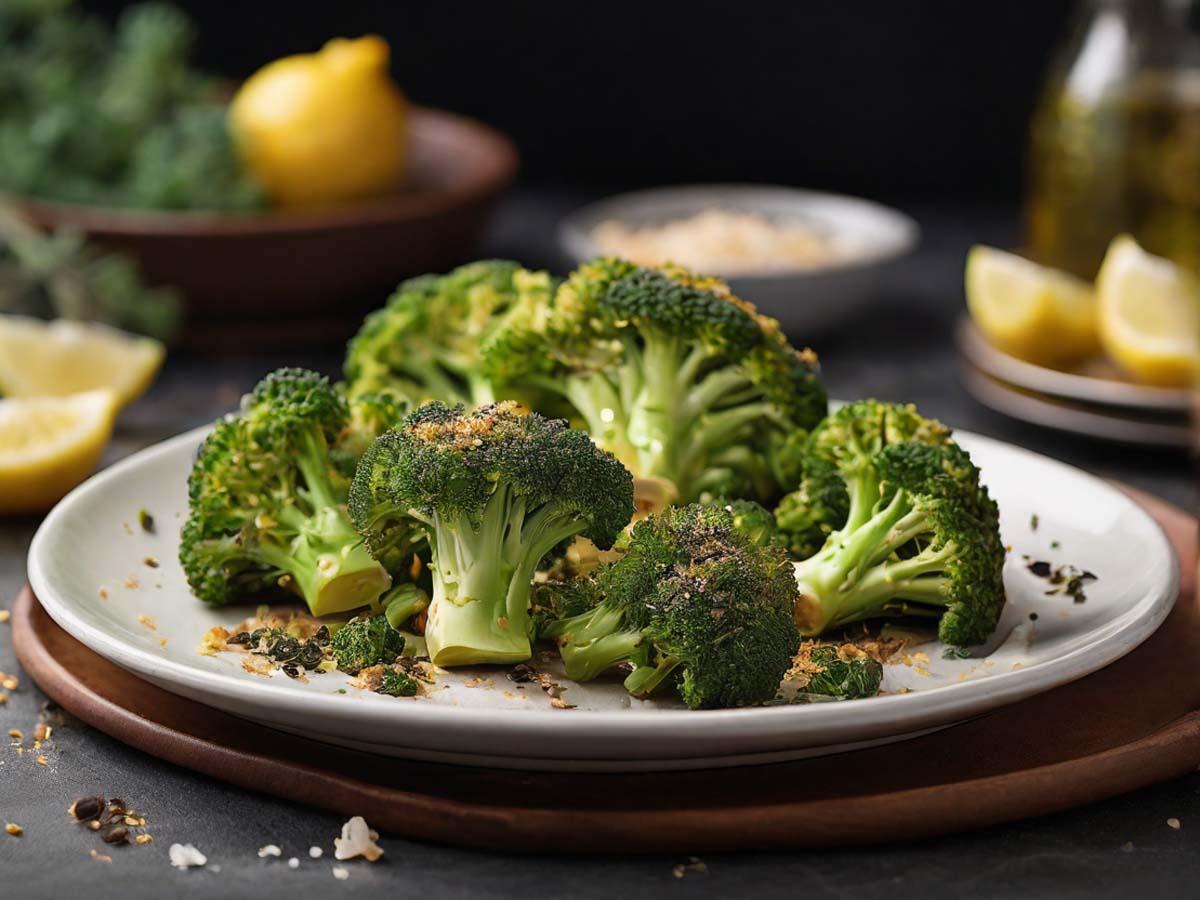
x: 86, y: 808
x: 1040, y: 568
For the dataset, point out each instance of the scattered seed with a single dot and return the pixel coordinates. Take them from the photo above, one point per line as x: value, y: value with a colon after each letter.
x: 15, y: 734
x: 94, y: 825
x: 146, y: 521
x: 151, y: 562
x: 41, y: 732
x: 144, y: 619
x: 5, y: 615
x: 1174, y: 823
x: 14, y: 829
x: 98, y: 856
x: 143, y: 839
x: 41, y: 760
x: 10, y: 683
x: 185, y: 856
x: 269, y: 850
x: 315, y: 852
x: 341, y: 873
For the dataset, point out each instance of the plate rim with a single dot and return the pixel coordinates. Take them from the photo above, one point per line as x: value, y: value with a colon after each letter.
x: 909, y: 711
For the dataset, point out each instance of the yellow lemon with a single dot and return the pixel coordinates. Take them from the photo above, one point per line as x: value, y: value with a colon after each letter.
x: 323, y: 127
x: 1149, y: 315
x: 1031, y: 311
x: 52, y: 359
x: 50, y: 444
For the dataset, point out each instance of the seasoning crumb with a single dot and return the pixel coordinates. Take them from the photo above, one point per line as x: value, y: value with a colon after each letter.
x: 1174, y: 823
x: 144, y: 619
x: 357, y: 840
x: 14, y: 829
x: 341, y: 873
x: 41, y: 732
x: 143, y: 839
x: 98, y: 856
x: 3, y: 699
x: 151, y: 562
x: 132, y: 583
x: 103, y: 593
x: 15, y: 734
x: 316, y: 852
x: 10, y: 683
x: 693, y: 865
x: 5, y: 615
x: 41, y: 760
x: 185, y: 856
x: 269, y: 850
x: 293, y: 863
x: 146, y: 521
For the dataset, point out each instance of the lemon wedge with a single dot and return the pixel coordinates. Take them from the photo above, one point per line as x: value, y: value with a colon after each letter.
x: 1031, y: 311
x: 1149, y: 315
x: 54, y: 359
x: 50, y: 444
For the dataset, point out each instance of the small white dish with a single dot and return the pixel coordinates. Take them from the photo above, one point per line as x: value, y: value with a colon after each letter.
x: 864, y: 235
x: 148, y: 622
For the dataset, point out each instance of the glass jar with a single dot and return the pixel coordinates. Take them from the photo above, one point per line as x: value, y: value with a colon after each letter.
x: 1115, y: 142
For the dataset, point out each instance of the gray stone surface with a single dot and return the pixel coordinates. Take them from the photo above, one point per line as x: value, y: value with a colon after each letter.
x: 1123, y: 847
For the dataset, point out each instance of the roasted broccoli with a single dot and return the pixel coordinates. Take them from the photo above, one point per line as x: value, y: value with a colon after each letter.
x: 694, y: 603
x: 671, y: 372
x: 820, y: 503
x: 267, y: 502
x: 427, y: 343
x: 366, y: 641
x: 754, y: 520
x: 403, y: 602
x: 921, y: 538
x: 495, y: 489
x: 835, y: 672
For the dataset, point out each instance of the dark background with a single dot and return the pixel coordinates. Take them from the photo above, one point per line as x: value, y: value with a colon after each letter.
x: 924, y: 100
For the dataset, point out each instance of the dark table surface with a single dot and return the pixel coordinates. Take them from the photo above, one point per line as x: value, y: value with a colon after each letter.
x: 901, y: 350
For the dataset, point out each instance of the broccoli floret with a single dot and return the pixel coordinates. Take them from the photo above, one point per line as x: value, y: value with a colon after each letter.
x: 838, y: 672
x: 754, y: 520
x: 267, y: 503
x: 921, y: 539
x: 366, y: 641
x: 671, y: 372
x: 403, y: 602
x: 496, y: 489
x: 820, y: 503
x: 426, y: 344
x: 694, y: 603
x: 397, y: 683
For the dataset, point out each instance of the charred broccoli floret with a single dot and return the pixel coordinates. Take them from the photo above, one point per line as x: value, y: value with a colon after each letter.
x: 921, y: 538
x: 267, y: 503
x: 366, y: 641
x: 837, y: 672
x: 694, y: 603
x: 820, y: 502
x: 672, y: 373
x: 426, y: 344
x: 754, y: 520
x: 495, y: 489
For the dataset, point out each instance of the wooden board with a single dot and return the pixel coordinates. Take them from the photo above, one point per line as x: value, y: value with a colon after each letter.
x: 1132, y: 724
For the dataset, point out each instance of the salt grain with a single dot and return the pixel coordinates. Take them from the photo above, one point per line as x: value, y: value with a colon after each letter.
x: 341, y: 873
x: 185, y: 856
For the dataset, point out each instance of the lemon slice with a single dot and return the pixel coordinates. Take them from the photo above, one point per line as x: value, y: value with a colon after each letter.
x: 1030, y: 311
x: 50, y: 444
x: 53, y: 359
x: 1149, y: 315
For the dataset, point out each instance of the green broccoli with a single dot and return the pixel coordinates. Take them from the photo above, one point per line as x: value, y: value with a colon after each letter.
x: 820, y: 503
x: 921, y: 538
x: 366, y: 641
x: 496, y: 489
x: 426, y: 344
x: 694, y: 602
x: 403, y: 602
x: 754, y: 520
x: 672, y: 373
x: 835, y: 672
x: 397, y: 683
x: 267, y: 503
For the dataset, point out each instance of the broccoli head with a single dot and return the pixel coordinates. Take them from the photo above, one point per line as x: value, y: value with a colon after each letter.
x: 366, y: 641
x: 495, y: 489
x: 681, y: 380
x: 836, y: 672
x: 754, y: 520
x: 267, y: 503
x: 426, y: 343
x: 694, y: 603
x: 921, y: 539
x: 820, y: 502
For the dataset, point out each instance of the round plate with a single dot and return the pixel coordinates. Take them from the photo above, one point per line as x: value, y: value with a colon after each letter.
x: 311, y: 262
x: 807, y: 300
x: 1078, y: 386
x: 87, y: 566
x: 1104, y: 423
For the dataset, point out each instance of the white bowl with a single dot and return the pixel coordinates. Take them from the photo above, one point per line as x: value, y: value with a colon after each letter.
x: 806, y: 300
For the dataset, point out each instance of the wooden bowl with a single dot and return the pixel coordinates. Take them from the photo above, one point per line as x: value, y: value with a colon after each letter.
x: 317, y: 264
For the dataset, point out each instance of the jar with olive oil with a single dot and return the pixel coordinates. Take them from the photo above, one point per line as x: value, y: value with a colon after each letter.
x: 1115, y: 143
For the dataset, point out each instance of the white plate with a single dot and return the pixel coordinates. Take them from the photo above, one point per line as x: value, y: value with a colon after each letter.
x: 91, y: 542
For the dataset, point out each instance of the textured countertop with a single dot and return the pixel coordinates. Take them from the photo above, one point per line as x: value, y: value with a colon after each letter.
x: 1123, y: 847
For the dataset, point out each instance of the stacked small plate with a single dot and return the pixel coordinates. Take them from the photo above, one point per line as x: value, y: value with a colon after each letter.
x: 1091, y: 401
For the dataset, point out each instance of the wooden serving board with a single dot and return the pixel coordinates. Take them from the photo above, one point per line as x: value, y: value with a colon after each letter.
x: 1129, y: 725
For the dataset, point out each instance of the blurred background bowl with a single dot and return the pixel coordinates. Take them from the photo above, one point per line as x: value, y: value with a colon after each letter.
x: 304, y: 270
x: 865, y: 238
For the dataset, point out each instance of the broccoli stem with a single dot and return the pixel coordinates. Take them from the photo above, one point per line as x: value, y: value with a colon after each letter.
x: 403, y: 602
x: 327, y: 563
x: 647, y: 677
x: 481, y: 578
x: 856, y: 574
x: 595, y: 641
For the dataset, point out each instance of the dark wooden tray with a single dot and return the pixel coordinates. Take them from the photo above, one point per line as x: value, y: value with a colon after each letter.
x: 1132, y: 724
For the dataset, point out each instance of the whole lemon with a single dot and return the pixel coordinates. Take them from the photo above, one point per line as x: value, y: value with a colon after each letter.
x: 323, y: 127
